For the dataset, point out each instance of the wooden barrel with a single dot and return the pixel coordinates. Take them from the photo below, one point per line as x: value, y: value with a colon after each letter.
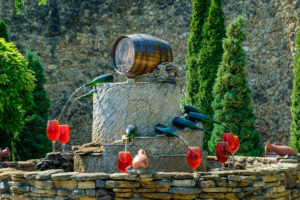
x: 139, y: 53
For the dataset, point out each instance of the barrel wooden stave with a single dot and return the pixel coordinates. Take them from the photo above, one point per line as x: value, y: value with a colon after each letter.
x: 148, y: 53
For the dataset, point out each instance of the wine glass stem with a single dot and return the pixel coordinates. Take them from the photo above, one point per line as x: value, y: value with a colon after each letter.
x: 233, y: 158
x: 63, y: 147
x: 223, y: 166
x: 53, y: 146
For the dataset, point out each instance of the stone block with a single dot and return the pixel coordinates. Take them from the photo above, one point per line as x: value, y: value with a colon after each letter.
x: 124, y: 176
x: 185, y: 196
x: 20, y: 189
x: 90, y: 192
x: 47, y: 174
x: 88, y: 198
x: 43, y: 184
x: 62, y: 192
x: 100, y: 183
x: 114, y: 99
x: 156, y: 195
x: 90, y: 176
x: 70, y: 184
x: 75, y: 194
x: 157, y: 184
x: 217, y: 190
x: 272, y: 178
x: 184, y: 190
x: 184, y: 183
x: 4, y: 187
x: 63, y: 176
x: 101, y: 192
x: 122, y: 190
x: 123, y: 194
x: 86, y: 185
x: 207, y: 184
x: 121, y: 184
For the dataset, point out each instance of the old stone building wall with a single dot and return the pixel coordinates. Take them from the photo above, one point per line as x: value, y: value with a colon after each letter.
x: 74, y: 39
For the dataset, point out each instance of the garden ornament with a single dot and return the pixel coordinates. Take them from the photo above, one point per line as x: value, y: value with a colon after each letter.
x: 281, y: 149
x: 141, y: 160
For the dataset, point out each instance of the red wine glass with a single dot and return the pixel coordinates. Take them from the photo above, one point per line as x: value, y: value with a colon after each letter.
x: 228, y: 137
x: 53, y: 131
x: 193, y: 157
x: 236, y: 143
x: 124, y: 161
x: 64, y: 135
x: 222, y: 152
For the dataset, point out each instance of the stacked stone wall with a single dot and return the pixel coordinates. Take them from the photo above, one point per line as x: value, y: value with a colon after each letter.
x: 280, y: 180
x: 74, y: 40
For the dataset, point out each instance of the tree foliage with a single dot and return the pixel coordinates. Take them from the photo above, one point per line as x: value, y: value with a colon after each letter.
x: 16, y: 86
x: 210, y: 56
x: 295, y: 127
x: 3, y: 31
x: 232, y: 95
x: 33, y: 139
x: 200, y: 8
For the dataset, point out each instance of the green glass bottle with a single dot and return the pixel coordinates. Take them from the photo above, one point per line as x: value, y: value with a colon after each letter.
x: 184, y: 123
x: 161, y: 129
x: 101, y: 79
x: 90, y: 94
x: 130, y: 131
x: 192, y: 116
x: 188, y: 109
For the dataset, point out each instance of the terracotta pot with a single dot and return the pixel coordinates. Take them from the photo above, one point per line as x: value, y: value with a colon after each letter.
x: 4, y: 153
x: 281, y: 150
x: 140, y: 160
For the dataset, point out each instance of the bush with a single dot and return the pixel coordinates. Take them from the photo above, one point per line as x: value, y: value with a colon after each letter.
x: 33, y: 138
x: 16, y: 86
x: 210, y: 56
x: 200, y: 8
x: 3, y: 31
x: 232, y: 95
x: 295, y: 127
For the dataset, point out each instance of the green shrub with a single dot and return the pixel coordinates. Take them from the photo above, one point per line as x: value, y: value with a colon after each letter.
x: 19, y: 6
x: 295, y: 127
x: 232, y: 95
x: 3, y: 31
x: 200, y: 8
x: 210, y: 56
x: 16, y: 86
x: 33, y: 138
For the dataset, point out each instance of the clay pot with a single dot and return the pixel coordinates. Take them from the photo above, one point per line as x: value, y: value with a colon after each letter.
x: 140, y: 160
x: 4, y: 153
x: 281, y: 150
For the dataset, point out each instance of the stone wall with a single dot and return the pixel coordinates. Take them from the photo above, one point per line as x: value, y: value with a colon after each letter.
x: 280, y: 180
x: 74, y: 40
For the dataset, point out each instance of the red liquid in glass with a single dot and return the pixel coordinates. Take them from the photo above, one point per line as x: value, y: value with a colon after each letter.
x: 64, y: 134
x: 222, y: 151
x: 124, y: 161
x: 53, y: 130
x: 228, y: 137
x: 193, y: 157
x: 236, y: 144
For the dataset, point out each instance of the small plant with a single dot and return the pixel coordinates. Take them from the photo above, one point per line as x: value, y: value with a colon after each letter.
x: 231, y: 93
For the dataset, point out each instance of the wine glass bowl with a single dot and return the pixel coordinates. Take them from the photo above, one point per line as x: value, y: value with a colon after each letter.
x: 222, y: 151
x: 124, y: 160
x: 228, y: 137
x: 236, y: 143
x: 193, y: 157
x: 53, y: 131
x: 64, y: 135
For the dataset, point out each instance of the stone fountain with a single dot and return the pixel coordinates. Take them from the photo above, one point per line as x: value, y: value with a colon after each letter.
x: 143, y: 100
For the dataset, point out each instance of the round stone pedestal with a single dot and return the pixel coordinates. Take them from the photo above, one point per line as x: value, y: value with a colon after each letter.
x: 116, y: 105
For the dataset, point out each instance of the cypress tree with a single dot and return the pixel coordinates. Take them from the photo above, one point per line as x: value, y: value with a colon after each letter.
x: 34, y: 142
x: 232, y: 95
x: 210, y: 57
x: 3, y: 31
x: 295, y: 127
x: 200, y: 8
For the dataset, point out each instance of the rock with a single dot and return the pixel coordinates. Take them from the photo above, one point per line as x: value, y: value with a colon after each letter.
x: 121, y: 184
x: 47, y: 174
x: 86, y: 185
x: 89, y: 176
x: 184, y: 190
x: 56, y: 160
x: 157, y: 184
x: 4, y: 187
x: 100, y: 183
x: 184, y: 183
x: 67, y: 184
x: 207, y: 184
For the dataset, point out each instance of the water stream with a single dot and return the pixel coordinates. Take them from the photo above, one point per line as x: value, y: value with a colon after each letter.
x: 68, y: 101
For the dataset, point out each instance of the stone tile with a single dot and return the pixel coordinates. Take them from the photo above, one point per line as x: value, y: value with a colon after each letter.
x: 63, y: 176
x: 184, y: 190
x: 47, y: 174
x: 86, y: 185
x: 157, y: 184
x: 121, y: 184
x: 184, y: 183
x: 70, y: 184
